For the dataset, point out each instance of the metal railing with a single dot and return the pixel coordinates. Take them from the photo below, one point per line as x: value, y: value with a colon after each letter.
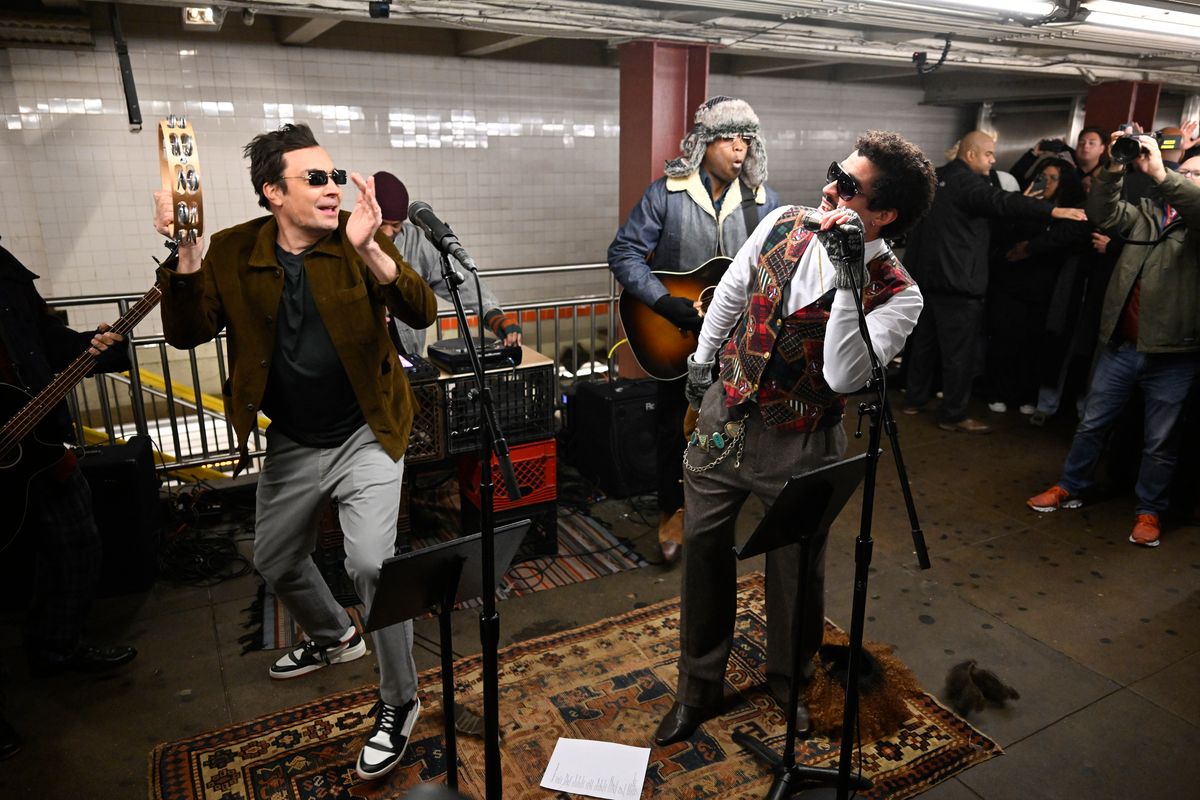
x: 174, y: 396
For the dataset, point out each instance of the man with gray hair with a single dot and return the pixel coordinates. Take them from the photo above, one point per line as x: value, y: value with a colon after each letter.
x: 710, y: 199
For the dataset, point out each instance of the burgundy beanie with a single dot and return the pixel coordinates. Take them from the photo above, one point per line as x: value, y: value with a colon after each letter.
x: 392, y: 196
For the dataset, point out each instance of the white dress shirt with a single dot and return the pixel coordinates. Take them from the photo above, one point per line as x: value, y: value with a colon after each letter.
x: 847, y: 364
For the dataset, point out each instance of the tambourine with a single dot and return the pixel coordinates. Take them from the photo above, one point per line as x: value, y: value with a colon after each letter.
x: 179, y: 166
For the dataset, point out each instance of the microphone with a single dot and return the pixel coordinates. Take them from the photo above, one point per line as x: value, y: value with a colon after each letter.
x: 811, y: 221
x: 439, y: 233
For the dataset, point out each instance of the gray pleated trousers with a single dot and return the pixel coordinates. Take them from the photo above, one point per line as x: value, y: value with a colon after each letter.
x: 712, y: 500
x: 294, y: 487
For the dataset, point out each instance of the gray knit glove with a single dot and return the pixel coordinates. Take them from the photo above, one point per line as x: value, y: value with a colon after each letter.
x: 844, y: 245
x: 699, y: 378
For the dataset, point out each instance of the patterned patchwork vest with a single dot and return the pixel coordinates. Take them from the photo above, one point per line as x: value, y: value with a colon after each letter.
x: 778, y: 362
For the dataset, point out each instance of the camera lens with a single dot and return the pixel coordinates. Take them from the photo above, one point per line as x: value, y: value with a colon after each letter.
x: 1126, y: 149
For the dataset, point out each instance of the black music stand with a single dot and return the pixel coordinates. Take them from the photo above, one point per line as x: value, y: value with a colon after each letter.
x: 803, y: 511
x: 436, y: 578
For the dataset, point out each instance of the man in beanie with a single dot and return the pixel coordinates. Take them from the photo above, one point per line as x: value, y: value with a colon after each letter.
x: 789, y: 306
x: 706, y: 205
x: 420, y: 253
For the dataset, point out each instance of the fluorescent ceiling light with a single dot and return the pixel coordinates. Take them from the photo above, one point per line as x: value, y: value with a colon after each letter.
x: 1025, y: 8
x: 203, y: 17
x: 1130, y: 17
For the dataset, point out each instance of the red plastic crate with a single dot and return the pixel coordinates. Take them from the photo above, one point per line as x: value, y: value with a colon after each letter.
x: 535, y: 465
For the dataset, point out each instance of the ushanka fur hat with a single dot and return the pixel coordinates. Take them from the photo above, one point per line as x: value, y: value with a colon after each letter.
x: 716, y: 118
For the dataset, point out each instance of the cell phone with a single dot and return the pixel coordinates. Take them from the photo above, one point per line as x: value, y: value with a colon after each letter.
x: 1039, y: 184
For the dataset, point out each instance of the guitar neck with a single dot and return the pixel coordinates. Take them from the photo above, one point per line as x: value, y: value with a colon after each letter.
x: 24, y: 421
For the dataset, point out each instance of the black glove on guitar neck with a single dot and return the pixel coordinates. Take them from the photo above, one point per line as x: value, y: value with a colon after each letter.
x: 680, y: 311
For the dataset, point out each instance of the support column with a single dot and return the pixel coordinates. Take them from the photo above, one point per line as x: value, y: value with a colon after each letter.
x: 662, y: 85
x: 1110, y: 104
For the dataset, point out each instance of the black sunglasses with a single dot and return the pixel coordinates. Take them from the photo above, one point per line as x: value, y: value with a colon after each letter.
x: 847, y: 186
x: 319, y: 177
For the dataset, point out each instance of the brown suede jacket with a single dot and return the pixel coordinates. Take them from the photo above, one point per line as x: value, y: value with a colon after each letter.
x: 238, y: 289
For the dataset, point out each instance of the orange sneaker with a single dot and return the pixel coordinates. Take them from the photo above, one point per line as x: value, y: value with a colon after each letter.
x: 1145, y: 530
x: 1053, y: 499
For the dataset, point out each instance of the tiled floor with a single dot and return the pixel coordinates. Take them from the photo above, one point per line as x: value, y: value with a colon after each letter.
x: 1100, y: 637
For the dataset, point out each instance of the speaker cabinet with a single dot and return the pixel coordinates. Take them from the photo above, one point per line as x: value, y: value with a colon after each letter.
x: 127, y: 511
x: 611, y: 435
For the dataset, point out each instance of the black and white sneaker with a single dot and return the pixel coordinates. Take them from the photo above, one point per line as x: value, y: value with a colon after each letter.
x: 385, y: 746
x: 310, y: 656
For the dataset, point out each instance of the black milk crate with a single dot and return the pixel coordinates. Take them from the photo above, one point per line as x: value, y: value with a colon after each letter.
x: 524, y: 403
x: 427, y: 440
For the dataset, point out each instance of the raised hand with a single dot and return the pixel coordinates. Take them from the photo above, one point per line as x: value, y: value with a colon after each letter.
x: 842, y: 235
x: 164, y: 216
x: 366, y: 216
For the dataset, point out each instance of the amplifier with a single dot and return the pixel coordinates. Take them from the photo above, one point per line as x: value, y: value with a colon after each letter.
x: 611, y: 435
x: 126, y: 507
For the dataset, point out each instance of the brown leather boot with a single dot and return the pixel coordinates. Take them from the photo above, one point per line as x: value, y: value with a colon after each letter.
x: 670, y: 535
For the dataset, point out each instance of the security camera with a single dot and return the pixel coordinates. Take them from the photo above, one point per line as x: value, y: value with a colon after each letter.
x: 247, y: 16
x: 379, y: 9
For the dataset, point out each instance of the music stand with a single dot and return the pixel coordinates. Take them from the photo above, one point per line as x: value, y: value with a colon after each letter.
x: 436, y: 578
x: 804, y: 510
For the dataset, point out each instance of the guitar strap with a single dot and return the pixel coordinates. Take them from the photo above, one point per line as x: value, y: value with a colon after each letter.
x: 749, y: 208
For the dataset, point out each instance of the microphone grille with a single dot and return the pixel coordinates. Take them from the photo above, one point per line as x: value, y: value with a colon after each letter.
x: 415, y: 209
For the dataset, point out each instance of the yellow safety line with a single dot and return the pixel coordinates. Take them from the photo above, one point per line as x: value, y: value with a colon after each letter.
x: 208, y: 402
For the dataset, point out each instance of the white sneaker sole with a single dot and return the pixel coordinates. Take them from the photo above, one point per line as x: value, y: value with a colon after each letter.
x: 384, y: 770
x: 1069, y: 504
x: 349, y: 654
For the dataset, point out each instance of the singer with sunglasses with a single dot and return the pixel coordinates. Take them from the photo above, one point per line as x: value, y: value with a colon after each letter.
x: 710, y: 199
x: 301, y: 294
x: 789, y: 298
x: 948, y: 255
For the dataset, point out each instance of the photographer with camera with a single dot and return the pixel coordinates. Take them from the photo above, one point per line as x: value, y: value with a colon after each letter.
x: 1157, y: 352
x: 1029, y: 165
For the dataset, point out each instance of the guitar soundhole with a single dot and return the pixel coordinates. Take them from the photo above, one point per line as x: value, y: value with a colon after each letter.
x: 12, y: 458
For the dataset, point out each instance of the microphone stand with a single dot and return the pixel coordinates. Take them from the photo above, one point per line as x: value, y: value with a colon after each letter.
x: 880, y: 414
x: 491, y: 440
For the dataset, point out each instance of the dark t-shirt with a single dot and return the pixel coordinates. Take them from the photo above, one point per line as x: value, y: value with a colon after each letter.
x: 308, y: 395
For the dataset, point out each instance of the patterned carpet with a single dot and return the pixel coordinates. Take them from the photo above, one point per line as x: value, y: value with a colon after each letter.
x: 609, y: 681
x: 586, y: 550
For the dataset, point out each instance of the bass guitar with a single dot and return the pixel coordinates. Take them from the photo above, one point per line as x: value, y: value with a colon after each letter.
x: 26, y: 451
x: 661, y: 349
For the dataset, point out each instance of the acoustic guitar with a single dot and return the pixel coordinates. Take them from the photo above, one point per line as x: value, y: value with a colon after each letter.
x: 661, y: 349
x: 26, y: 450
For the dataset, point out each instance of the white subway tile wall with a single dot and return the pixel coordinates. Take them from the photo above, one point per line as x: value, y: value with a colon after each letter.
x: 521, y: 158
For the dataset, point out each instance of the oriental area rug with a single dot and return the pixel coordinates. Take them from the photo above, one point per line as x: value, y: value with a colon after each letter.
x: 609, y: 681
x: 587, y: 549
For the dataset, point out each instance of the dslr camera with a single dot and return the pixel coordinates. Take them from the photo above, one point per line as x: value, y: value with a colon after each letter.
x: 1128, y: 148
x: 1053, y: 146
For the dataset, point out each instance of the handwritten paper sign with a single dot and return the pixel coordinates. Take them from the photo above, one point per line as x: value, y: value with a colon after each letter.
x: 597, y: 769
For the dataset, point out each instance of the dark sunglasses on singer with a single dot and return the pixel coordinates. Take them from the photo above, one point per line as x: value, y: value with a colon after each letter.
x: 847, y: 186
x: 319, y: 177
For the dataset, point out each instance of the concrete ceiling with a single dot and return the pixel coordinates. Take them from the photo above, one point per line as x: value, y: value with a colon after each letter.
x: 967, y: 50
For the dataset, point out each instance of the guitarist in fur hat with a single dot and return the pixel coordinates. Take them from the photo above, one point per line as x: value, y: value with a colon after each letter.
x: 706, y: 205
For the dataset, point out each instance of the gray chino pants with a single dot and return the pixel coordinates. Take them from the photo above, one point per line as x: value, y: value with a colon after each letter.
x: 295, y: 484
x: 712, y: 501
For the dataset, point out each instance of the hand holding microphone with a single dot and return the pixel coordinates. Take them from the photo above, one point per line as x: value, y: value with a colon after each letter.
x: 840, y: 232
